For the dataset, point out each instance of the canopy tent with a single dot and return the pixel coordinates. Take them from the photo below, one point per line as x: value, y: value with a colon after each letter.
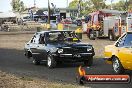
x: 112, y: 11
x: 40, y: 13
x: 7, y: 15
x: 108, y: 12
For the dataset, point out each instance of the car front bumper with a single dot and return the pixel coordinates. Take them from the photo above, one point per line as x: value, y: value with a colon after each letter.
x: 74, y: 57
x: 78, y: 55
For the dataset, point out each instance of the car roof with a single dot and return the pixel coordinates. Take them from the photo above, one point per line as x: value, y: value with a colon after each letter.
x: 51, y: 31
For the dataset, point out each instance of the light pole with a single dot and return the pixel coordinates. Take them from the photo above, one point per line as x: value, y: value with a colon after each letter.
x: 111, y: 4
x: 67, y: 3
x: 79, y: 8
x: 48, y: 23
x: 126, y: 5
x: 48, y: 12
x: 34, y: 3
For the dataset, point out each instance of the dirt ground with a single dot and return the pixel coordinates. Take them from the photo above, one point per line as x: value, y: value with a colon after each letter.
x: 11, y: 81
x: 17, y: 42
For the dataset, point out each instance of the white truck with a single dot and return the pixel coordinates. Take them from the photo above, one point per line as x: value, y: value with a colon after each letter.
x: 108, y: 23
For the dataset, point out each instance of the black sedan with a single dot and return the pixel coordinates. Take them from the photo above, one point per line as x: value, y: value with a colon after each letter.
x: 58, y: 46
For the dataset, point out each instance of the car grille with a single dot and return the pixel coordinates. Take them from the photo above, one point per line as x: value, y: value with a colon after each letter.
x: 75, y: 50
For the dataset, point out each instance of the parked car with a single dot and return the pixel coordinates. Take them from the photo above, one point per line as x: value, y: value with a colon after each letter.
x: 58, y: 46
x: 78, y: 22
x: 27, y: 18
x: 66, y: 21
x: 120, y: 54
x: 42, y: 21
x: 53, y: 23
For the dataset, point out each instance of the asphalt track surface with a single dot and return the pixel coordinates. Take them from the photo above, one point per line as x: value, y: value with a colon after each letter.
x: 14, y: 62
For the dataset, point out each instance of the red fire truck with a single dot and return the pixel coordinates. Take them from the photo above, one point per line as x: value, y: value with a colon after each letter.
x: 108, y: 23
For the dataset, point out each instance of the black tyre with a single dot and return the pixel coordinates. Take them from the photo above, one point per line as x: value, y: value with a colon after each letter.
x: 91, y: 35
x: 117, y: 66
x: 51, y: 63
x: 36, y: 62
x: 28, y: 54
x: 59, y: 62
x: 111, y: 36
x: 89, y: 62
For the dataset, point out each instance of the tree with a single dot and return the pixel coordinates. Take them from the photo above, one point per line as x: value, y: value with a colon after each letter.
x: 22, y: 8
x: 120, y: 5
x: 73, y: 4
x: 98, y: 4
x: 88, y: 6
x: 93, y: 5
x: 17, y: 5
x: 129, y: 5
x: 123, y: 5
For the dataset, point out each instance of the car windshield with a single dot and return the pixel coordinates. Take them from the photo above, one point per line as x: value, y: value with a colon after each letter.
x: 53, y: 21
x: 59, y: 37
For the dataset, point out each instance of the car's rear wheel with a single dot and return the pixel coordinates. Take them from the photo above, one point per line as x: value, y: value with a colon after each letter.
x: 117, y: 66
x: 91, y: 35
x: 36, y: 62
x: 51, y: 63
x: 89, y: 62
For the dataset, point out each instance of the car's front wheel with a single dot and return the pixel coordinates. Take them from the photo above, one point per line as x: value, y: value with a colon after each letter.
x: 91, y: 35
x: 117, y: 66
x: 51, y: 62
x: 89, y: 62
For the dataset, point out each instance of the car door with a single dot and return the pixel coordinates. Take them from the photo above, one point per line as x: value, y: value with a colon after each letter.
x: 34, y: 43
x: 125, y: 51
x: 130, y: 59
x: 41, y: 47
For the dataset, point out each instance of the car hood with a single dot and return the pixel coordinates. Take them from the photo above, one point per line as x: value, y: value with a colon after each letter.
x: 59, y: 45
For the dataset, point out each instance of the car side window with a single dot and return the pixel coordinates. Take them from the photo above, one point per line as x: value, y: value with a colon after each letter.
x: 128, y: 40
x: 35, y: 39
x: 41, y: 39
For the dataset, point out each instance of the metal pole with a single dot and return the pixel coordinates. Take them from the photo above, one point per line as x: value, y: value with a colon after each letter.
x: 48, y: 12
x: 111, y: 4
x: 126, y: 5
x: 67, y: 3
x: 34, y: 3
x: 79, y: 8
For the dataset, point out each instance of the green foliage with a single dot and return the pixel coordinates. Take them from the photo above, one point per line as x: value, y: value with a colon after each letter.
x: 17, y: 5
x: 88, y: 6
x: 123, y: 5
x: 73, y: 4
x: 130, y: 5
x: 93, y: 5
x: 98, y: 4
x: 120, y: 5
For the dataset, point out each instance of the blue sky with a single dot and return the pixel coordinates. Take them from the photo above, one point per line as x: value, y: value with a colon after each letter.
x: 5, y: 4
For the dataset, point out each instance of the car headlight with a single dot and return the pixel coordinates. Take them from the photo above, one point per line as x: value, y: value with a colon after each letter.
x: 89, y: 49
x: 60, y: 50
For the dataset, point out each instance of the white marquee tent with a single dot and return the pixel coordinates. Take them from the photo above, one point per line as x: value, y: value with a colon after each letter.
x: 7, y: 15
